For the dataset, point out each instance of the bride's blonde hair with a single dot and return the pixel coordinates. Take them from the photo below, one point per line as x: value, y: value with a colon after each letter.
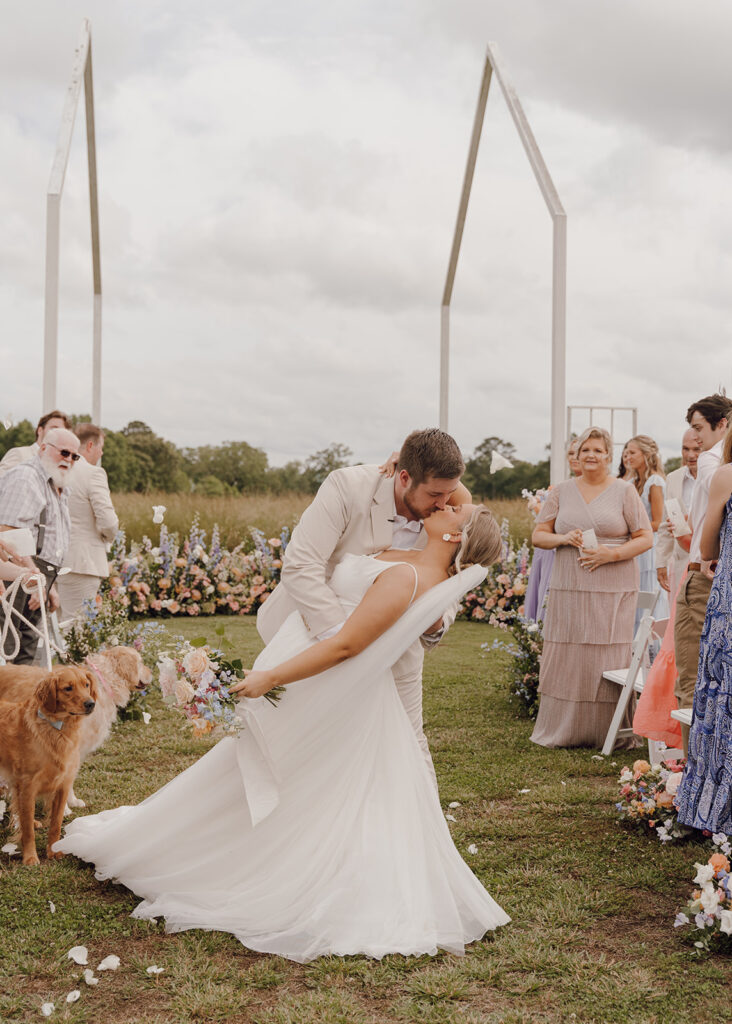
x: 481, y: 543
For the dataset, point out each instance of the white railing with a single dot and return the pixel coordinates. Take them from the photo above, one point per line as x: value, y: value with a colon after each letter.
x: 80, y: 73
x: 494, y: 63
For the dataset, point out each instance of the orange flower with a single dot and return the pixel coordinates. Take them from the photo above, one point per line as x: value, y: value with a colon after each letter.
x: 719, y: 862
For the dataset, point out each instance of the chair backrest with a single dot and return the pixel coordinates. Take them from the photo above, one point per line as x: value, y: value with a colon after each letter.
x: 647, y: 600
x: 659, y: 628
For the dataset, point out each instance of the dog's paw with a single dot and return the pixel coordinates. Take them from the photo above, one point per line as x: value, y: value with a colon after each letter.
x: 74, y: 801
x: 30, y: 859
x: 53, y: 854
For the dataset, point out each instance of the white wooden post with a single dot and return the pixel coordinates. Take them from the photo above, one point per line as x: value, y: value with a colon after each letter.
x: 81, y: 72
x: 494, y: 63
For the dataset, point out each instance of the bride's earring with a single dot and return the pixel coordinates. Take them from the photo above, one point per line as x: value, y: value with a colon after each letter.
x: 454, y: 537
x: 446, y: 536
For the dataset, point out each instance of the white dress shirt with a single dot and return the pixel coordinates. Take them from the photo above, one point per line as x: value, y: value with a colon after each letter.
x: 706, y: 466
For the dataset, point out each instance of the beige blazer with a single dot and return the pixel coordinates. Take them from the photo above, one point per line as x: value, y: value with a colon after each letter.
x: 14, y: 456
x: 94, y: 522
x: 668, y: 548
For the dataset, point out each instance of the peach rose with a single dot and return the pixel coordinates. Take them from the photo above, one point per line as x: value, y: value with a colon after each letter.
x: 183, y: 691
x: 719, y: 862
x: 672, y: 782
x: 196, y: 662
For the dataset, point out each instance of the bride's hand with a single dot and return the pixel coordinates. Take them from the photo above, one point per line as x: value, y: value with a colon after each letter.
x: 389, y: 468
x: 256, y: 684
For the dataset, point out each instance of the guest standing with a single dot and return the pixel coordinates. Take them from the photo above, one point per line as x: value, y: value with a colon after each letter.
x: 671, y: 556
x: 94, y: 524
x: 642, y: 461
x: 704, y: 798
x: 15, y: 456
x: 709, y: 417
x: 592, y: 596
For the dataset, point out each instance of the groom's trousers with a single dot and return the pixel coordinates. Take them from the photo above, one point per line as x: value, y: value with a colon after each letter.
x: 407, y: 674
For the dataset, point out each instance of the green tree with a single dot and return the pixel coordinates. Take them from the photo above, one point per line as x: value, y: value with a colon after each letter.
x: 506, y: 483
x: 319, y: 465
x: 290, y: 477
x: 20, y: 435
x: 157, y: 462
x: 671, y: 464
x: 235, y: 463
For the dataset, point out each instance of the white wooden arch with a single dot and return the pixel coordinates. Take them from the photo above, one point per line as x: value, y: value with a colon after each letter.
x: 494, y: 63
x: 81, y: 72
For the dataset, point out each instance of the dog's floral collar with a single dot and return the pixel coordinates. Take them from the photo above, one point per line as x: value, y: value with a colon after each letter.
x: 56, y: 725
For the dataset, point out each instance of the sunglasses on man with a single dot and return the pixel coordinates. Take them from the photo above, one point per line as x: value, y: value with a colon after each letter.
x: 65, y: 453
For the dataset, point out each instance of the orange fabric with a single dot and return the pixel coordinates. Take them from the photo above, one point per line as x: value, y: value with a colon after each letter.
x: 653, y: 713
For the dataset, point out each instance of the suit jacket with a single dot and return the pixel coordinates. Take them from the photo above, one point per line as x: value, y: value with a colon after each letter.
x: 14, y: 456
x: 668, y: 548
x: 352, y: 513
x: 94, y: 522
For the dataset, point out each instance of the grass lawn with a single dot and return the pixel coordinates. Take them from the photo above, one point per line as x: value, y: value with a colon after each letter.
x: 592, y: 904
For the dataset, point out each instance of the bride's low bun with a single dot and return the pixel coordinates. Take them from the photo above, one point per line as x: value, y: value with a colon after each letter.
x: 481, y: 543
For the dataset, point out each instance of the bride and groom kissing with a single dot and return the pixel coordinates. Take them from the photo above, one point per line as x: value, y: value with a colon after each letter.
x: 318, y: 829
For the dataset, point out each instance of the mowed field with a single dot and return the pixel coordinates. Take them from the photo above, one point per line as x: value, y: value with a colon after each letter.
x: 266, y: 512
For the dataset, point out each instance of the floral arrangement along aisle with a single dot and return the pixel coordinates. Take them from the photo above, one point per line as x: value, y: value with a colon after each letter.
x: 646, y: 798
x: 710, y: 906
x: 501, y: 595
x: 186, y: 577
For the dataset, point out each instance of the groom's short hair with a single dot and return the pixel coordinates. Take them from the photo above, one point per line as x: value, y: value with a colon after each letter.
x: 431, y: 453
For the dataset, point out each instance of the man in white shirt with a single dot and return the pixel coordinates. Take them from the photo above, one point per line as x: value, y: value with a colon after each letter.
x: 709, y: 417
x: 94, y: 524
x: 15, y: 456
x: 671, y: 556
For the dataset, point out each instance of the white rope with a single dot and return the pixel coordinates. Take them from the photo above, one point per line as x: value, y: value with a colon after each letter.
x: 29, y: 584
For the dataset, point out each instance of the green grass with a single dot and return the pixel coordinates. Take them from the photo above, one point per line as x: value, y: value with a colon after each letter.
x: 592, y: 904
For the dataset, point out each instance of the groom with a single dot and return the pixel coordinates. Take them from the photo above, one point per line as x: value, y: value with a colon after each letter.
x: 360, y: 511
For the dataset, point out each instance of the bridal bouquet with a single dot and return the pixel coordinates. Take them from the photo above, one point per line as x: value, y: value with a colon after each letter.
x: 196, y: 682
x: 710, y: 906
x: 647, y: 798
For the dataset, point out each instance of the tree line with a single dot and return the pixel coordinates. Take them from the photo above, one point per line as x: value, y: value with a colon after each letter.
x: 138, y: 459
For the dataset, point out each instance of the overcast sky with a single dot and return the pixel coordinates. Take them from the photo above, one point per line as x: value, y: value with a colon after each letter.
x: 279, y: 184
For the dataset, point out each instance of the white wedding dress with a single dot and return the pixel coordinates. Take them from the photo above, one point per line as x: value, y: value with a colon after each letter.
x: 318, y: 829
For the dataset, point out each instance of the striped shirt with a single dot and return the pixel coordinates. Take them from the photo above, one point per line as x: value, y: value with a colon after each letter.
x: 25, y: 491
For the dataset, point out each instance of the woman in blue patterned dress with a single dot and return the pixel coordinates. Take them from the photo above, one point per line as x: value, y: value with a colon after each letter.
x: 704, y: 799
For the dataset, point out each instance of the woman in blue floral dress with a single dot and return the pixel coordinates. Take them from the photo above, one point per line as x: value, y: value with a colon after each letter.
x: 704, y: 799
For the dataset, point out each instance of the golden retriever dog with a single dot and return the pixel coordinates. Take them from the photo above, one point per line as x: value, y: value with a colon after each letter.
x: 39, y: 749
x: 118, y: 671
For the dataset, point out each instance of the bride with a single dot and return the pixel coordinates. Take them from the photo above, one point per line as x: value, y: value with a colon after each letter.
x: 318, y: 830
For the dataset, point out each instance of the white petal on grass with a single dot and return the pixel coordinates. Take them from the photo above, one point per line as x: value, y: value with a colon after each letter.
x: 154, y: 969
x: 10, y: 848
x: 79, y: 954
x: 3, y: 809
x: 52, y: 906
x: 109, y: 963
x: 472, y: 848
x: 89, y: 977
x: 47, y: 1009
x: 73, y: 996
x: 597, y: 757
x: 564, y: 783
x: 146, y: 716
x: 451, y: 817
x: 455, y: 803
x: 524, y: 791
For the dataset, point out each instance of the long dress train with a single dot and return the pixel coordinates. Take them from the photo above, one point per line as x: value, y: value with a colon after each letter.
x: 318, y: 829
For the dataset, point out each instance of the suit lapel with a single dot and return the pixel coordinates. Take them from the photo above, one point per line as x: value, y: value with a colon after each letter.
x: 382, y: 512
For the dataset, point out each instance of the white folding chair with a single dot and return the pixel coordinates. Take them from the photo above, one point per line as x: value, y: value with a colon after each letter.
x: 632, y: 678
x: 10, y: 615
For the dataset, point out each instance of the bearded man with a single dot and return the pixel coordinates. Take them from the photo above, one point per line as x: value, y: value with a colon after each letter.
x: 360, y: 510
x: 34, y: 495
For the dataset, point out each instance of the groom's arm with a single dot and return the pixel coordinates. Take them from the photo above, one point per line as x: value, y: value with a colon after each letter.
x: 304, y: 566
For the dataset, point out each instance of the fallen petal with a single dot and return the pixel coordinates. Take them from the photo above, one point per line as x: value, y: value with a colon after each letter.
x: 451, y: 817
x: 455, y: 803
x: 109, y: 963
x: 47, y: 1009
x: 73, y: 996
x: 89, y: 977
x: 3, y: 809
x: 11, y: 848
x: 597, y: 757
x: 79, y: 954
x: 154, y: 969
x: 146, y: 716
x: 524, y: 791
x: 472, y: 848
x: 52, y: 906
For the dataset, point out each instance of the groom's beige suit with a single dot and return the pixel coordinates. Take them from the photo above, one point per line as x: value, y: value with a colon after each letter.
x: 352, y: 513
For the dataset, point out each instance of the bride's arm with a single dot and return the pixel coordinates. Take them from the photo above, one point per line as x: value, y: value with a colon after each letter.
x: 382, y: 604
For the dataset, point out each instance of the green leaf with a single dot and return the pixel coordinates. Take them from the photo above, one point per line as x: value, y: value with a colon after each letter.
x: 237, y: 664
x: 198, y: 641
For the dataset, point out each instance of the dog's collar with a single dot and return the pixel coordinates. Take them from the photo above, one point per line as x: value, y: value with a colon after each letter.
x: 100, y: 677
x: 56, y: 725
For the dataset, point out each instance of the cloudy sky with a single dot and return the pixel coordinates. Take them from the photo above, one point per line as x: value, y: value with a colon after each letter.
x: 279, y: 184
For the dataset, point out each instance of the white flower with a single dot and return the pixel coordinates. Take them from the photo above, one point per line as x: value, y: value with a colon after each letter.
x: 10, y: 848
x: 154, y: 969
x: 704, y: 873
x: 183, y: 692
x: 455, y: 803
x: 168, y: 675
x: 672, y: 783
x: 52, y: 906
x: 682, y: 919
x: 158, y: 513
x: 532, y: 628
x: 89, y: 977
x: 718, y: 838
x: 47, y: 1009
x: 109, y: 963
x: 114, y: 641
x: 725, y: 917
x: 472, y: 848
x: 73, y: 996
x: 79, y: 954
x: 146, y: 716
x: 451, y: 817
x: 626, y: 775
x: 710, y: 898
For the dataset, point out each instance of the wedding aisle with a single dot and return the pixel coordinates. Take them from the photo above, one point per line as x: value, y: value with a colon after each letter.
x: 592, y: 904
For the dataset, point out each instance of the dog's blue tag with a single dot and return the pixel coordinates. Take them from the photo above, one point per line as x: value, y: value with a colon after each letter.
x: 56, y: 725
